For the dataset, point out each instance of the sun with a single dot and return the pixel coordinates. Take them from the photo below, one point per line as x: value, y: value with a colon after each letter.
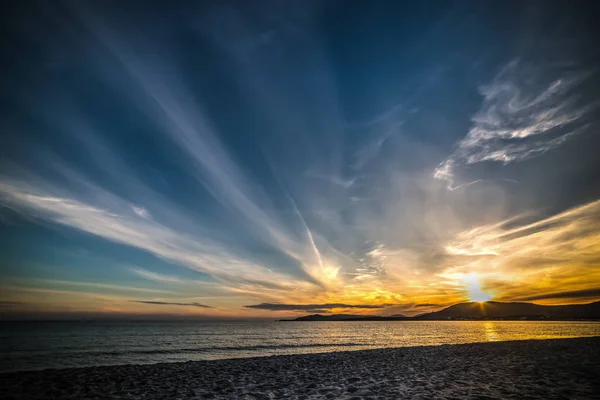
x: 474, y: 289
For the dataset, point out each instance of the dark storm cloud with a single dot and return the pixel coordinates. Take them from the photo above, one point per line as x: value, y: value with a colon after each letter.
x: 427, y: 305
x: 10, y: 304
x: 312, y: 307
x: 166, y: 303
x: 572, y: 294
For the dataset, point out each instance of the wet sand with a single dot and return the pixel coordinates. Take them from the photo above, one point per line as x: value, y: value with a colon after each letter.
x: 538, y: 369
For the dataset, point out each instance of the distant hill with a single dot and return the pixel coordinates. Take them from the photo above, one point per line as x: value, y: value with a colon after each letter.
x: 477, y: 311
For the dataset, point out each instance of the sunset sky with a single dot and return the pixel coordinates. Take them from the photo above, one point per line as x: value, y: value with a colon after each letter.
x: 280, y: 158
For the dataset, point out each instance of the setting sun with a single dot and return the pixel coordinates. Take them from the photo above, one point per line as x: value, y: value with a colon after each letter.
x: 474, y: 289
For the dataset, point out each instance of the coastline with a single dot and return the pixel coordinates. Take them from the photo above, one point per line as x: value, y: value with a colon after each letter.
x: 534, y: 369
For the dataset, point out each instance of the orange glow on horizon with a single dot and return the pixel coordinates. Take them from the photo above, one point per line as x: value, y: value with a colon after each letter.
x: 554, y: 265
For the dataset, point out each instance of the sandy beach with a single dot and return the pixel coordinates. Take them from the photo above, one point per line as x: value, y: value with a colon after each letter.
x: 539, y: 369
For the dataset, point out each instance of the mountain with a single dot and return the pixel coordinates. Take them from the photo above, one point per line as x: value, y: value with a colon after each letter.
x: 475, y: 311
x: 498, y: 310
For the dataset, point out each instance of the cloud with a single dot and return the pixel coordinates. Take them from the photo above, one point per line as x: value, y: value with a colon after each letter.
x: 336, y: 180
x: 96, y: 285
x: 57, y: 297
x: 274, y: 196
x: 182, y: 120
x: 552, y: 258
x: 526, y: 111
x: 563, y: 233
x: 571, y: 294
x: 10, y: 304
x: 380, y: 129
x: 142, y: 212
x: 165, y: 303
x: 201, y: 254
x: 313, y: 307
x: 156, y: 277
x: 427, y: 305
x: 370, y: 151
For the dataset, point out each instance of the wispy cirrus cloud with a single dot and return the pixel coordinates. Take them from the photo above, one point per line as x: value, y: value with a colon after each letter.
x: 142, y: 212
x: 153, y: 276
x: 200, y: 254
x: 532, y: 261
x: 269, y: 190
x: 526, y: 111
x: 186, y: 124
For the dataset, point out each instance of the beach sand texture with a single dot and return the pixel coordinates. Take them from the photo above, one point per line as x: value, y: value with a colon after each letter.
x: 539, y: 369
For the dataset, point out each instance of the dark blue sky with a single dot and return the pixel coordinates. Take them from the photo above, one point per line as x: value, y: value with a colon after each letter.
x: 233, y: 153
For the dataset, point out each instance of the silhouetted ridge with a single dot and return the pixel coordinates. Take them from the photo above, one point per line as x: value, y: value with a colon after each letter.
x: 517, y: 310
x: 485, y: 310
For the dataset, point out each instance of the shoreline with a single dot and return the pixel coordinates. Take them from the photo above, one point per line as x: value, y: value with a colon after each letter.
x: 250, y: 358
x: 548, y: 368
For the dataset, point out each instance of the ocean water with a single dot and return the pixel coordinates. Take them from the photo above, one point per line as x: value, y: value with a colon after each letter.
x: 34, y: 346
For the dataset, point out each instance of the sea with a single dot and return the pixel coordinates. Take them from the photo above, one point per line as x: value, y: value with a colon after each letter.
x: 42, y: 345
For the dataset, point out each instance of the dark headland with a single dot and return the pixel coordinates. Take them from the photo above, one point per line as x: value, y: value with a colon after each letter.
x: 489, y: 310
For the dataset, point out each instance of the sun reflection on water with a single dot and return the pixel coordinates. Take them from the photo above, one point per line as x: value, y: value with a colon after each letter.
x: 490, y: 332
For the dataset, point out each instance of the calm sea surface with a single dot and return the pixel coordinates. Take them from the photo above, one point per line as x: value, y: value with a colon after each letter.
x: 28, y: 346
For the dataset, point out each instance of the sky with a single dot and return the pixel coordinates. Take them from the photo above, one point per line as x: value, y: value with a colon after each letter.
x: 223, y: 159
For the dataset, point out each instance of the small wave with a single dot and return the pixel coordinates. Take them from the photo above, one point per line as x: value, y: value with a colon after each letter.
x: 220, y: 348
